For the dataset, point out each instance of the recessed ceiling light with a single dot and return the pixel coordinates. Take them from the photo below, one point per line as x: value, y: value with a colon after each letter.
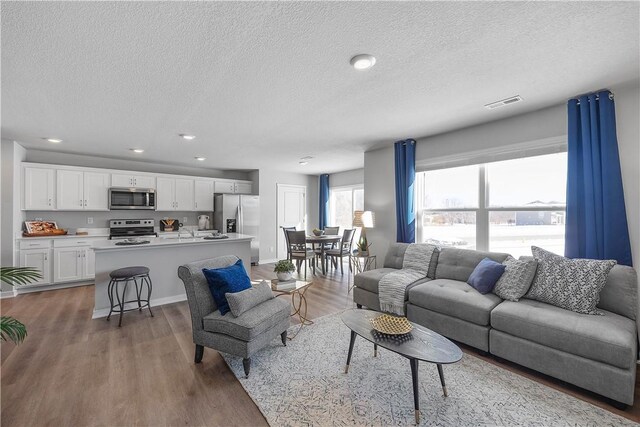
x: 137, y: 150
x: 302, y: 163
x: 202, y: 159
x: 187, y: 137
x: 306, y: 158
x: 54, y: 140
x: 363, y: 62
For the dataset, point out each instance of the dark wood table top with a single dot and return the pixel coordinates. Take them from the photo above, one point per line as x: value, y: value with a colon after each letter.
x: 421, y: 343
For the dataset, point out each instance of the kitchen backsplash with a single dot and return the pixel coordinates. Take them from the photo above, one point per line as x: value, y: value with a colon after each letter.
x: 73, y: 220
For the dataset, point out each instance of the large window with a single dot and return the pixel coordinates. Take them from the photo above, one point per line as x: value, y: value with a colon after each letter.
x: 502, y: 206
x: 342, y: 203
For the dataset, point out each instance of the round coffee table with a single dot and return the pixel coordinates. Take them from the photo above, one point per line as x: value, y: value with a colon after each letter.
x: 419, y: 344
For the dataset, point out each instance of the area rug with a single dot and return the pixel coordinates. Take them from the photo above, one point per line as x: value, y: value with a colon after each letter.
x: 304, y: 384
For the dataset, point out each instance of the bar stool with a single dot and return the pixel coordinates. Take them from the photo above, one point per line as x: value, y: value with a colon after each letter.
x: 125, y: 275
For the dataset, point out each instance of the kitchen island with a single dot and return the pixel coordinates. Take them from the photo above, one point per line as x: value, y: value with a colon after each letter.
x: 162, y: 256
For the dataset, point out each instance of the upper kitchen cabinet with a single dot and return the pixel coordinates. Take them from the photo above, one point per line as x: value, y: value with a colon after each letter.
x: 175, y: 194
x: 132, y: 181
x: 203, y: 195
x: 38, y: 188
x: 233, y: 187
x: 78, y: 190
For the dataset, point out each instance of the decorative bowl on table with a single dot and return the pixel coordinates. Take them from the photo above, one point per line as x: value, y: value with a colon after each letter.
x: 391, y: 325
x: 318, y: 232
x: 284, y: 276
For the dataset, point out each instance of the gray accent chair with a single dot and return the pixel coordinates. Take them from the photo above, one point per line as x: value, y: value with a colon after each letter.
x: 597, y: 353
x: 240, y: 336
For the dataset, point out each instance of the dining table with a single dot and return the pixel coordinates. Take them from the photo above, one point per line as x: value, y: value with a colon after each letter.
x: 322, y: 241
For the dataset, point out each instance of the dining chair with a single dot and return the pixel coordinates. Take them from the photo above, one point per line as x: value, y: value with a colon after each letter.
x: 343, y: 250
x: 286, y: 239
x: 299, y: 251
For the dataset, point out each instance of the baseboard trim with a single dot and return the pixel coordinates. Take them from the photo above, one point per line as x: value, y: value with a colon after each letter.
x: 103, y: 312
x: 51, y: 287
x: 8, y: 294
x: 268, y: 261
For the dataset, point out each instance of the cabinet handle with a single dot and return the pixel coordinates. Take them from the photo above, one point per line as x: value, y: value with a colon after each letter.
x: 49, y: 202
x: 45, y: 257
x: 81, y: 202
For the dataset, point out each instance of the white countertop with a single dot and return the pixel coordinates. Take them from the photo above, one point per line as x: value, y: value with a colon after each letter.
x: 154, y: 242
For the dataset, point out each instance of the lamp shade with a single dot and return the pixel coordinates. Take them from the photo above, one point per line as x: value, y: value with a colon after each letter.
x: 363, y: 219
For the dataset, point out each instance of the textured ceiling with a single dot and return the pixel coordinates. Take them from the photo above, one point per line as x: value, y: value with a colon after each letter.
x: 263, y: 84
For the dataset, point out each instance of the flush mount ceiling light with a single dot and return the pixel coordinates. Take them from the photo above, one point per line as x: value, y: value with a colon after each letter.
x: 187, y: 137
x: 504, y: 102
x: 302, y: 162
x: 201, y: 159
x: 137, y: 150
x: 54, y: 140
x: 363, y: 62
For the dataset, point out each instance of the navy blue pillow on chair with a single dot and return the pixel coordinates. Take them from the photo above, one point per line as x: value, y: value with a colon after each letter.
x: 231, y: 279
x: 485, y: 276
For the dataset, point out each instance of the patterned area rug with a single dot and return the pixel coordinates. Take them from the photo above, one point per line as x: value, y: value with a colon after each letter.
x: 304, y: 384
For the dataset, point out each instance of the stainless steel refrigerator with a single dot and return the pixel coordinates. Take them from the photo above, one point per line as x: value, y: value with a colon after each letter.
x: 238, y: 214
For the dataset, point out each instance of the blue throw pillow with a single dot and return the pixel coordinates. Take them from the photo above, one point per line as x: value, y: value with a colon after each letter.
x: 485, y: 276
x: 231, y: 279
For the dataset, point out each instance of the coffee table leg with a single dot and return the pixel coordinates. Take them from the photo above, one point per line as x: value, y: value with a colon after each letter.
x: 441, y: 373
x: 414, y: 378
x: 375, y: 350
x: 351, y: 343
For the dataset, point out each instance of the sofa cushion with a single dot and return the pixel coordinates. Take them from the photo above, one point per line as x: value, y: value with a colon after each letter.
x: 251, y: 323
x: 484, y: 277
x: 572, y: 284
x: 457, y: 264
x: 620, y: 293
x: 454, y: 298
x: 369, y: 279
x: 517, y: 278
x: 395, y: 255
x: 609, y: 338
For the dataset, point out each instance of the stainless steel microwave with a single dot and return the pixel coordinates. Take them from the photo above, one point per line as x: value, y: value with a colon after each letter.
x: 132, y: 198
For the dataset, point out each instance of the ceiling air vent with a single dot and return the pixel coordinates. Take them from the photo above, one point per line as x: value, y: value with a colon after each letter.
x: 503, y: 102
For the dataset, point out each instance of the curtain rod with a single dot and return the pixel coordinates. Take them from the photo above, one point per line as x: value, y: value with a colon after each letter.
x: 597, y: 98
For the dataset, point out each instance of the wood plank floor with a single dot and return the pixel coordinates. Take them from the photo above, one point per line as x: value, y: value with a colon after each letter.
x: 72, y: 370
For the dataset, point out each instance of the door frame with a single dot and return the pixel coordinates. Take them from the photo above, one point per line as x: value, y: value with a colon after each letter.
x: 278, y: 229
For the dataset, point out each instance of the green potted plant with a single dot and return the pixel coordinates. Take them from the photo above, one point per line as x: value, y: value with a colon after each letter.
x: 284, y: 269
x: 363, y: 246
x: 10, y: 328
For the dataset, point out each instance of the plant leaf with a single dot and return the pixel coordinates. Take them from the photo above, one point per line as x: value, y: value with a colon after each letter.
x: 18, y: 276
x: 12, y: 330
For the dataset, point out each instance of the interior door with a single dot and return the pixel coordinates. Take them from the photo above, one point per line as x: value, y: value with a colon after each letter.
x: 292, y: 212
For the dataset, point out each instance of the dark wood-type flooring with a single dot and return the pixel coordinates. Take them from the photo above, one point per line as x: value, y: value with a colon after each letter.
x: 72, y: 370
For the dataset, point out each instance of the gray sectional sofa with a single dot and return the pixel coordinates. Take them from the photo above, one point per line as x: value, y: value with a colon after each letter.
x: 595, y: 352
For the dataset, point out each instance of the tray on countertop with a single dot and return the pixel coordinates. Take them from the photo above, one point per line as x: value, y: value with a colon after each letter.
x: 57, y: 232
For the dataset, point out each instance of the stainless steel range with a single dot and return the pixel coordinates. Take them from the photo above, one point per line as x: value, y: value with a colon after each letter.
x: 128, y: 228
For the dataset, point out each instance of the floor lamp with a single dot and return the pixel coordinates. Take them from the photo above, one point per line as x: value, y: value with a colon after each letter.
x: 364, y: 220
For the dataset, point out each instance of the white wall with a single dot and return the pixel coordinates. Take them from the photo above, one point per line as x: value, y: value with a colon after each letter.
x: 350, y: 177
x: 538, y: 125
x: 268, y: 182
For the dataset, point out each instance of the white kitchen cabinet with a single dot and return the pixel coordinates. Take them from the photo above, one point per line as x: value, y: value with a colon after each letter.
x: 39, y: 259
x: 184, y: 194
x: 38, y: 188
x: 203, y: 195
x: 175, y: 194
x: 67, y: 264
x: 96, y: 191
x: 89, y: 267
x: 241, y: 187
x: 224, y: 187
x: 78, y: 190
x: 233, y: 187
x: 132, y: 181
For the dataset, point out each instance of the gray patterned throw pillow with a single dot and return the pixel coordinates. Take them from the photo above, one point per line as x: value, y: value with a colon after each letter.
x: 572, y: 284
x: 517, y: 278
x: 240, y: 302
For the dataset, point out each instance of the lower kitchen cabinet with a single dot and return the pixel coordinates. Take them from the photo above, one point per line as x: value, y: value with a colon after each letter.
x: 68, y: 264
x: 39, y: 259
